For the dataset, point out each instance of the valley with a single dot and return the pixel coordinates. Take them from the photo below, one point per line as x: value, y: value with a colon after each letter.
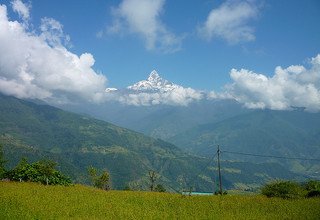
x: 78, y: 141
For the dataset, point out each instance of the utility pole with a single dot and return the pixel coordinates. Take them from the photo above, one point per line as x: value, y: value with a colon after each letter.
x: 219, y: 170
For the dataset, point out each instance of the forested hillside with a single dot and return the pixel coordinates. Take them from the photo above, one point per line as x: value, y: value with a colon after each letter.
x: 74, y: 141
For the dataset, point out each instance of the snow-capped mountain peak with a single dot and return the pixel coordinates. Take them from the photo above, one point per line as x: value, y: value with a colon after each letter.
x: 153, y: 83
x: 154, y: 91
x: 154, y: 76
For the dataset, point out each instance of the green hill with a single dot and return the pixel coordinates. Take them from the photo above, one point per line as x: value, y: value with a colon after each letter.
x: 76, y: 142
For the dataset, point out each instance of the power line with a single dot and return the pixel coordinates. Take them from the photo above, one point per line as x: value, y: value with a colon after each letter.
x: 271, y: 156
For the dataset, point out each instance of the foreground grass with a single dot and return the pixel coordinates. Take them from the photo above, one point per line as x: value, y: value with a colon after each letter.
x: 34, y: 201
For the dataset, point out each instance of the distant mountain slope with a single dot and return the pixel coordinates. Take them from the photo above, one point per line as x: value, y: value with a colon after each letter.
x: 49, y: 127
x: 163, y: 121
x: 75, y: 142
x: 45, y: 130
x: 280, y: 133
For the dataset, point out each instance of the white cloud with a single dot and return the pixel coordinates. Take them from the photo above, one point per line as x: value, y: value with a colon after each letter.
x: 179, y: 96
x: 52, y: 32
x: 295, y: 86
x: 22, y: 9
x: 230, y: 22
x: 218, y: 95
x: 142, y: 17
x: 30, y: 67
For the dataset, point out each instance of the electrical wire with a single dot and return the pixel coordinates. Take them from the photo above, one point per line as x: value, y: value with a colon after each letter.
x: 270, y: 156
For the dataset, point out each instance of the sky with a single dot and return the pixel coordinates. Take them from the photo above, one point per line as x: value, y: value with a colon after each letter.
x: 262, y: 53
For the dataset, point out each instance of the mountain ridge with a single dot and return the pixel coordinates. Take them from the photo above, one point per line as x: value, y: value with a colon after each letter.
x: 268, y: 132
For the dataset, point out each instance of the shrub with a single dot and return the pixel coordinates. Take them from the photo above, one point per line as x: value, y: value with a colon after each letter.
x: 101, y: 181
x: 313, y: 193
x: 160, y: 188
x: 2, y: 163
x: 283, y: 189
x: 313, y: 188
x: 41, y: 171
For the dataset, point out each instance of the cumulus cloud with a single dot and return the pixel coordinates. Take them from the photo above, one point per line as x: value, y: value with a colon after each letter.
x: 179, y: 96
x: 39, y: 66
x: 22, y: 9
x: 142, y: 17
x: 295, y: 86
x: 230, y: 22
x: 52, y: 32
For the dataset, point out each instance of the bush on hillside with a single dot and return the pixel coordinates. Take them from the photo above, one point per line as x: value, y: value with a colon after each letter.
x: 283, y: 189
x: 160, y: 188
x: 102, y: 180
x: 313, y: 188
x: 2, y: 163
x: 41, y: 171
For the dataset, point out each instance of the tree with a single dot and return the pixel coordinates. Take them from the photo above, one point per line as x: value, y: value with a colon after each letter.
x: 153, y: 176
x: 2, y: 163
x: 283, y: 189
x: 313, y: 188
x: 46, y: 168
x: 100, y: 181
x: 22, y: 171
x: 92, y: 174
x: 41, y: 171
x: 103, y: 181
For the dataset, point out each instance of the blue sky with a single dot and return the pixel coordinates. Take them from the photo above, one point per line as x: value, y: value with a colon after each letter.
x: 194, y: 43
x: 286, y: 33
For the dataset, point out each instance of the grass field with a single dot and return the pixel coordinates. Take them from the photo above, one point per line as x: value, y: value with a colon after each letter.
x: 34, y: 201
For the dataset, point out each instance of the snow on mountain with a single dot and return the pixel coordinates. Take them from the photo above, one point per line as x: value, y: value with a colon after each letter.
x: 154, y: 91
x: 111, y: 89
x: 154, y: 83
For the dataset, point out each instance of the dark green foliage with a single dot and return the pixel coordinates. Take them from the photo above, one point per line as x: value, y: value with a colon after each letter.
x: 101, y: 181
x: 217, y: 192
x: 313, y: 188
x: 283, y: 189
x: 41, y: 171
x: 92, y: 174
x: 313, y: 193
x: 160, y: 188
x: 290, y: 189
x: 312, y: 185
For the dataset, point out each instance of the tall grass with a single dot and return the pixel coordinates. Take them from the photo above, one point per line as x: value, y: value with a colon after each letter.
x: 34, y: 201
